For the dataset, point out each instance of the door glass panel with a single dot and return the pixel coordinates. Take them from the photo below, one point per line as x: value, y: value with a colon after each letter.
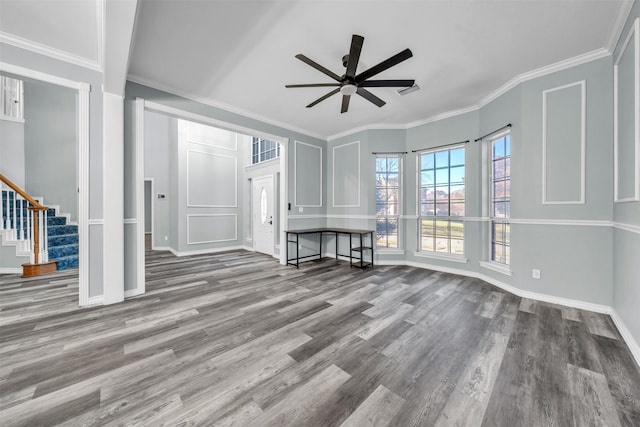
x: 263, y: 205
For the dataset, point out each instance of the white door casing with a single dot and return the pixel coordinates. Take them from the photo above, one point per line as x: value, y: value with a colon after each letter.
x: 262, y: 214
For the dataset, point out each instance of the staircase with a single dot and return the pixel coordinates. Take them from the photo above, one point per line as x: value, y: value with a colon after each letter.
x: 37, y: 232
x: 62, y: 241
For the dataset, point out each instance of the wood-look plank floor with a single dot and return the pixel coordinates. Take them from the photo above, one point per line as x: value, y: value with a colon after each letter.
x: 236, y: 339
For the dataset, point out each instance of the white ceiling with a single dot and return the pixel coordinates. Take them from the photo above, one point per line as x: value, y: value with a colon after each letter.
x: 240, y: 53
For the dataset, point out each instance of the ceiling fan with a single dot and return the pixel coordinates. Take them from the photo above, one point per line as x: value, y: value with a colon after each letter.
x: 351, y: 83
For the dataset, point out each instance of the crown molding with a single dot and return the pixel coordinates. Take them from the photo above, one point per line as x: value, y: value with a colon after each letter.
x: 529, y: 75
x: 49, y: 51
x: 221, y: 105
x: 618, y: 26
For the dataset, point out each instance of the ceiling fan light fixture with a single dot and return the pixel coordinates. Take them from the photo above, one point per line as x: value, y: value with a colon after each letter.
x: 348, y: 89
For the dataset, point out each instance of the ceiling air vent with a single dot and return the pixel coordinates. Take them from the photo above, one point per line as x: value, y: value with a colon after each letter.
x: 408, y: 90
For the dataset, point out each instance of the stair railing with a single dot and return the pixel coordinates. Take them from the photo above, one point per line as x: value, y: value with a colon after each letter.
x: 30, y: 228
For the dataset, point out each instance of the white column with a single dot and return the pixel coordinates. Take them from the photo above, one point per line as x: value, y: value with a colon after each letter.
x: 113, y: 203
x: 83, y: 194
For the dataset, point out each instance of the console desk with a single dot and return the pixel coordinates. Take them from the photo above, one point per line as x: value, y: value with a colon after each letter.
x: 359, y: 245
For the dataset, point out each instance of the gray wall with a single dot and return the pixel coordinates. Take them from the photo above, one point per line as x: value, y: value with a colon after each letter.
x: 159, y: 130
x: 626, y: 216
x: 50, y: 143
x: 12, y: 151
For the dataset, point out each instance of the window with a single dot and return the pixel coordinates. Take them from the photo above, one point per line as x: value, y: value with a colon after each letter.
x: 500, y: 208
x: 387, y: 201
x: 442, y: 201
x: 11, y: 98
x: 263, y: 150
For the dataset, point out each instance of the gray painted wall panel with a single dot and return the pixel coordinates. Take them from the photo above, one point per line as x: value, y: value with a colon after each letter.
x: 212, y: 179
x: 212, y: 228
x: 563, y: 145
x: 96, y: 256
x: 626, y: 156
x: 130, y: 264
x: 50, y: 141
x: 309, y: 172
x: 346, y: 175
x: 157, y: 134
x: 12, y: 151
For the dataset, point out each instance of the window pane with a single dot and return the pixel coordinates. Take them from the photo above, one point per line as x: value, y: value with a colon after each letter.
x: 428, y: 193
x: 393, y: 164
x: 456, y: 209
x: 508, y: 145
x: 442, y: 228
x: 392, y: 179
x: 381, y: 164
x: 381, y: 195
x: 507, y: 167
x: 457, y: 246
x: 428, y: 243
x: 427, y: 161
x: 381, y: 209
x: 457, y: 229
x: 499, y: 190
x: 442, y: 159
x: 428, y: 227
x: 442, y: 208
x: 498, y: 169
x: 501, y: 209
x: 457, y: 192
x: 427, y: 209
x: 498, y: 148
x: 381, y: 179
x: 442, y: 176
x: 442, y: 245
x: 457, y: 175
x: 426, y: 178
x: 457, y: 157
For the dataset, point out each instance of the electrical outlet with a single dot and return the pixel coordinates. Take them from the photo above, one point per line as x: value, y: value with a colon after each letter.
x: 300, y: 209
x: 535, y: 273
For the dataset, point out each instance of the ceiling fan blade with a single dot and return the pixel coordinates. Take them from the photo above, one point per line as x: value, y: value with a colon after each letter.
x: 354, y: 55
x: 322, y: 98
x: 315, y: 85
x: 387, y: 83
x: 318, y: 67
x: 384, y: 65
x: 345, y: 103
x: 370, y: 97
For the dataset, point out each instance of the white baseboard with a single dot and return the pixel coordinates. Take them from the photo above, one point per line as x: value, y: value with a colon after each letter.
x: 205, y: 251
x: 132, y: 293
x: 97, y: 300
x: 10, y: 270
x: 582, y: 305
x: 626, y: 335
x: 160, y: 248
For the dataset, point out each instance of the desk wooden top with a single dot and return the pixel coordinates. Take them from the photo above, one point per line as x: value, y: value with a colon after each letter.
x: 329, y: 230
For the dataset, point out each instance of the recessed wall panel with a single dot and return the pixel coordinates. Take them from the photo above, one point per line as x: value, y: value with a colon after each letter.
x: 211, y: 180
x: 213, y: 137
x: 627, y: 120
x: 308, y: 175
x: 564, y: 144
x: 211, y: 228
x: 346, y: 175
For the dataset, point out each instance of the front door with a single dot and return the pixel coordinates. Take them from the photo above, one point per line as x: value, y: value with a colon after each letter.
x: 262, y: 211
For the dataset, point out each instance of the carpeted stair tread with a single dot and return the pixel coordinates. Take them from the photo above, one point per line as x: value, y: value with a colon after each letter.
x: 59, y: 230
x: 62, y: 251
x: 65, y: 262
x: 62, y: 240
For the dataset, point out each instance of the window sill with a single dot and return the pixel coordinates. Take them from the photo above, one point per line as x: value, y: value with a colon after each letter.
x: 444, y: 257
x: 497, y: 267
x: 11, y: 119
x: 390, y: 251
